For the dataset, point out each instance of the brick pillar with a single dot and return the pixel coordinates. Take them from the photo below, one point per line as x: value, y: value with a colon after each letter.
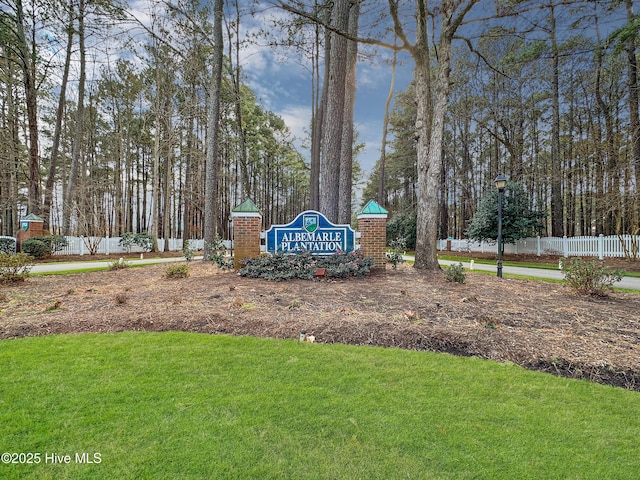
x: 246, y: 236
x: 373, y: 237
x: 30, y: 226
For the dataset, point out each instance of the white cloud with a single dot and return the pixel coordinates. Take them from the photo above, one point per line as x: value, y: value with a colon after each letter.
x: 297, y: 118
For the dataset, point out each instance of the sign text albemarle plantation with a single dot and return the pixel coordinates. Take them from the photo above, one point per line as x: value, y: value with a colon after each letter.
x: 310, y: 232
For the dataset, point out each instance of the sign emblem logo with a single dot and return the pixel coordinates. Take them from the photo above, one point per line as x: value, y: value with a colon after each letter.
x: 310, y: 222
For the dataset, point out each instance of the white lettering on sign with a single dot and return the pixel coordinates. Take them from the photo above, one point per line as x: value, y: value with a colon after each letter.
x: 312, y: 237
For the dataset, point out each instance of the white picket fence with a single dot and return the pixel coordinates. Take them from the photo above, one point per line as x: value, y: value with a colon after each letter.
x: 600, y: 246
x: 111, y: 245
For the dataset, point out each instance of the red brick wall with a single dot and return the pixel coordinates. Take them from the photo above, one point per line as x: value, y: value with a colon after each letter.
x: 246, y: 238
x: 36, y: 229
x: 373, y: 239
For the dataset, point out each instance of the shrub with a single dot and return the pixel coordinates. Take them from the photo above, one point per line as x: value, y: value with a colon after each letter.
x: 346, y: 264
x: 118, y: 264
x: 14, y: 267
x: 56, y: 243
x: 403, y: 226
x: 280, y: 267
x: 216, y: 254
x: 144, y: 241
x: 395, y: 256
x: 127, y: 240
x: 177, y: 271
x: 35, y: 248
x: 590, y: 278
x: 187, y: 252
x: 455, y: 273
x: 304, y: 265
x: 7, y: 244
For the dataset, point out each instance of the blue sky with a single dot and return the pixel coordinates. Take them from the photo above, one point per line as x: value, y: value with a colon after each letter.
x: 282, y: 82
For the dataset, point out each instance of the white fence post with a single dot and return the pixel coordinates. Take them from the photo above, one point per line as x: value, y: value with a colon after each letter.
x: 601, y: 247
x: 538, y: 250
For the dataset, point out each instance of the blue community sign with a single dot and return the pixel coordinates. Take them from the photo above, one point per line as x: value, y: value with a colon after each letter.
x: 310, y: 232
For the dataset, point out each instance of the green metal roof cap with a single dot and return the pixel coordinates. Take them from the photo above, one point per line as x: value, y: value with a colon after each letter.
x: 373, y: 208
x: 246, y: 207
x: 32, y: 217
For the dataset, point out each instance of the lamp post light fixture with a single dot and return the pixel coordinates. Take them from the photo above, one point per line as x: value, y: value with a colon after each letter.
x: 500, y: 182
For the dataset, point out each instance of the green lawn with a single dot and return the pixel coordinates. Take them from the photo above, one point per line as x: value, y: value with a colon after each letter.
x: 180, y: 405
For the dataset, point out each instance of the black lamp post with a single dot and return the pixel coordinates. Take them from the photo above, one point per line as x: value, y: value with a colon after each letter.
x: 501, y: 182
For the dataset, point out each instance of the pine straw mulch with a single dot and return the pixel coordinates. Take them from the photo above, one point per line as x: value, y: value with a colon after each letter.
x: 541, y: 326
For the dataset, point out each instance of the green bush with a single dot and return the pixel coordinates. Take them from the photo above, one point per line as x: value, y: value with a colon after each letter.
x: 142, y: 239
x: 303, y: 265
x: 43, y: 246
x: 187, y: 251
x: 216, y: 254
x: 127, y: 240
x: 145, y: 241
x: 35, y: 248
x: 118, y: 264
x: 280, y: 267
x: 346, y: 264
x: 590, y: 278
x: 8, y: 245
x: 177, y: 271
x: 398, y: 247
x: 56, y: 243
x: 455, y: 273
x: 14, y: 267
x: 403, y: 226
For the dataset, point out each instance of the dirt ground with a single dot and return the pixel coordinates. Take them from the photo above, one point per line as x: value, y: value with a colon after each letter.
x: 538, y: 325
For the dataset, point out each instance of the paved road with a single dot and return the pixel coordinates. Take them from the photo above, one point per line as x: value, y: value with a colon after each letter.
x: 632, y: 283
x: 88, y: 265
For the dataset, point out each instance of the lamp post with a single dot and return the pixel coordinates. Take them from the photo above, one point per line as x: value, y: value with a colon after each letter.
x: 500, y: 182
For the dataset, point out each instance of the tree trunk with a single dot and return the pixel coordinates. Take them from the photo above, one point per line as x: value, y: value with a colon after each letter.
x: 557, y: 207
x: 346, y: 151
x: 334, y: 115
x: 78, y: 142
x: 27, y: 62
x: 213, y: 114
x: 634, y: 120
x: 317, y: 118
x: 382, y: 197
x: 55, y: 146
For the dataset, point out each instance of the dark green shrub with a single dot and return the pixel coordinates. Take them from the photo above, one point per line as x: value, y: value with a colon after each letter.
x: 177, y: 271
x: 216, y: 253
x: 280, y: 267
x: 346, y: 264
x: 187, y: 252
x: 144, y: 241
x: 403, y: 226
x: 590, y: 278
x: 56, y: 243
x: 304, y: 266
x: 14, y: 267
x: 127, y: 241
x: 52, y: 244
x: 455, y: 273
x: 35, y: 248
x: 7, y: 244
